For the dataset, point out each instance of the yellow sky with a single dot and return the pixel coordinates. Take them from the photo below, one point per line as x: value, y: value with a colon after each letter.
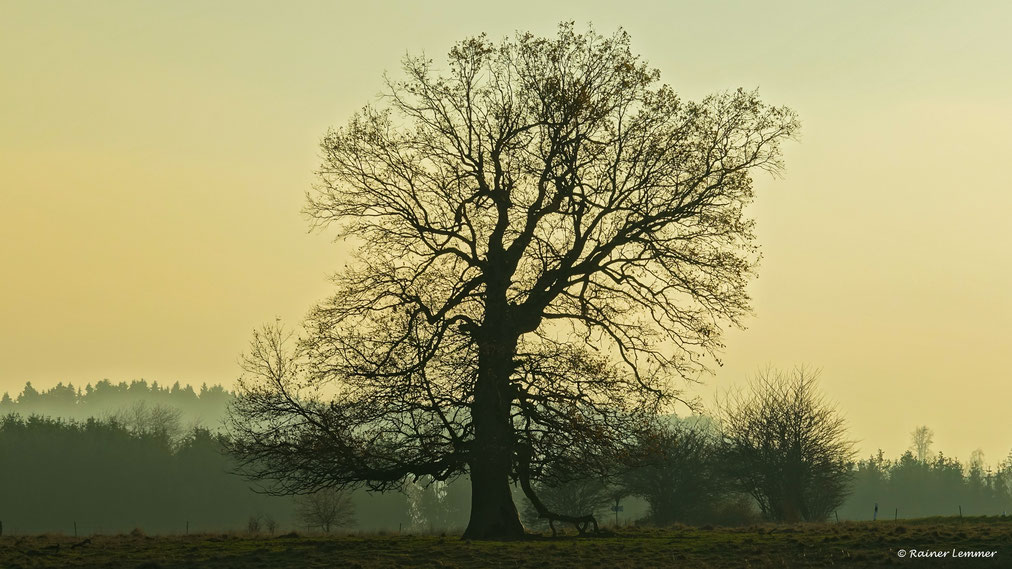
x: 154, y: 157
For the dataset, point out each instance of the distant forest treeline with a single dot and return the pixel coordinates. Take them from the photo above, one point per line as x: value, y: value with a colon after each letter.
x: 204, y: 407
x: 106, y: 477
x: 909, y: 487
x: 112, y: 457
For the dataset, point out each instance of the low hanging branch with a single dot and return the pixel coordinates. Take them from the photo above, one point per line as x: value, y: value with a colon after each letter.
x: 524, y: 475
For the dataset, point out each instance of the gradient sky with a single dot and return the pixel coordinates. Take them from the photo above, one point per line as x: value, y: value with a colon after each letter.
x: 154, y: 159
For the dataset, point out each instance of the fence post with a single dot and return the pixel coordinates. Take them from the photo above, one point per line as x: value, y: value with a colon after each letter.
x: 75, y: 528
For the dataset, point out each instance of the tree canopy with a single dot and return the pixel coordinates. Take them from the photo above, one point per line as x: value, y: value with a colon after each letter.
x: 546, y: 238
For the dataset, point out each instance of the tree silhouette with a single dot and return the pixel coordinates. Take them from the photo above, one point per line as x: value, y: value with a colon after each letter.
x: 787, y: 446
x: 134, y: 403
x: 920, y: 442
x: 111, y: 478
x: 545, y: 238
x: 685, y: 479
x: 937, y: 486
x: 327, y: 508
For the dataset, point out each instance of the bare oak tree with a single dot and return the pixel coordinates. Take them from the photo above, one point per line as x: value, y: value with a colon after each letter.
x: 546, y: 238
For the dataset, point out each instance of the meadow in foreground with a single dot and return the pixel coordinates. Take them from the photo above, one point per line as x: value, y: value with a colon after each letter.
x: 849, y: 544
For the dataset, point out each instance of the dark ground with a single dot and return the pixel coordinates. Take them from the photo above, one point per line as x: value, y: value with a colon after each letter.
x: 848, y: 544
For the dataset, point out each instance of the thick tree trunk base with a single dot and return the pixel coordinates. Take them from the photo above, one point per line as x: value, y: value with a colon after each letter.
x: 493, y: 514
x: 500, y: 528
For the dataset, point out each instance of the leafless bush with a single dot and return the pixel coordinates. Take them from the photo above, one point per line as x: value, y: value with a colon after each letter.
x: 253, y: 525
x: 326, y: 509
x: 271, y: 524
x: 786, y: 444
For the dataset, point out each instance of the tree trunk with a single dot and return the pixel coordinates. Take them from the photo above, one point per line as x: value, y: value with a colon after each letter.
x: 493, y: 513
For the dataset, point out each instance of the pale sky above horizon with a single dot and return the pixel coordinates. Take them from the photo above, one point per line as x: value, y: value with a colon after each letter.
x: 154, y: 159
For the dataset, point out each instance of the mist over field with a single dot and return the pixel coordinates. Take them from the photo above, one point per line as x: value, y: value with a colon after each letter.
x: 112, y: 458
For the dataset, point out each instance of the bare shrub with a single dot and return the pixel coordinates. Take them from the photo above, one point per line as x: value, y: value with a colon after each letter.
x: 271, y: 524
x: 786, y: 445
x: 327, y: 509
x: 253, y: 524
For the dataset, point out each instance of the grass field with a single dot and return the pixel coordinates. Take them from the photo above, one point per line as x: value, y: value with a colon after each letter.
x: 848, y: 544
